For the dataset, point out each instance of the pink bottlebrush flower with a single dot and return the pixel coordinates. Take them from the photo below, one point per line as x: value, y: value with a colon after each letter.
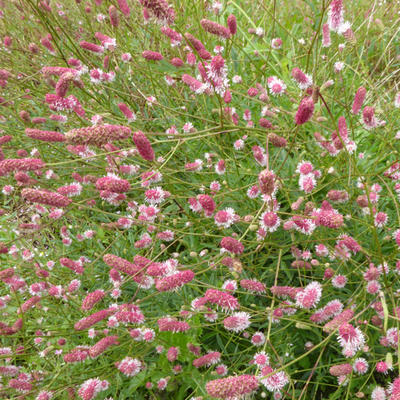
x: 305, y: 111
x: 259, y: 155
x: 97, y: 135
x: 276, y: 43
x: 225, y: 217
x: 360, y: 366
x: 232, y: 24
x: 351, y: 339
x: 24, y: 115
x: 232, y: 387
x: 237, y: 322
x: 77, y: 355
x: 20, y: 164
x: 333, y: 308
x: 33, y: 48
x: 207, y: 360
x: 270, y: 221
x: 20, y: 385
x: 39, y: 120
x: 130, y: 116
x: 335, y: 15
x: 220, y: 167
x: 102, y: 345
x: 177, y: 62
x: 207, y: 204
x: 369, y: 119
x: 65, y: 81
x: 382, y: 367
x: 232, y: 245
x: 310, y: 296
x: 341, y: 369
x: 72, y: 265
x: 396, y: 236
x: 258, y: 339
x: 167, y: 236
x: 253, y: 285
x: 221, y: 299
x: 276, y: 140
x: 380, y: 219
x: 338, y: 196
x: 276, y: 86
x: 326, y: 35
x: 252, y: 92
x: 340, y: 319
x: 172, y: 325
x: 160, y: 9
x: 57, y: 71
x: 195, y: 43
x: 44, y: 197
x: 5, y: 139
x: 195, y: 85
x: 113, y: 14
x: 175, y: 281
x: 172, y: 354
x: 264, y: 123
x: 46, y: 43
x: 57, y: 103
x: 284, y: 291
x: 175, y: 37
x: 95, y: 48
x: 349, y: 243
x: 87, y: 322
x: 275, y: 382
x: 329, y: 218
x: 30, y: 303
x: 92, y: 299
x: 303, y: 80
x: 91, y: 388
x: 152, y: 55
x: 342, y: 128
x: 267, y: 182
x: 307, y: 183
x: 197, y: 165
x: 74, y: 189
x: 9, y: 370
x: 113, y: 184
x: 129, y: 366
x: 339, y: 281
x: 46, y: 136
x: 221, y: 370
x: 215, y: 29
x: 358, y: 100
x: 123, y: 265
x: 143, y: 145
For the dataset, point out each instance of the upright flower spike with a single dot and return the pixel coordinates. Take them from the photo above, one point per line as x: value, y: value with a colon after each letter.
x: 305, y: 111
x: 335, y: 15
x: 152, y: 55
x: 97, y: 135
x: 114, y: 18
x: 232, y: 245
x: 45, y: 136
x: 215, y: 29
x: 45, y: 197
x: 232, y: 24
x: 358, y: 100
x: 160, y: 9
x: 124, y: 7
x: 232, y: 387
x: 143, y: 145
x: 303, y: 80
